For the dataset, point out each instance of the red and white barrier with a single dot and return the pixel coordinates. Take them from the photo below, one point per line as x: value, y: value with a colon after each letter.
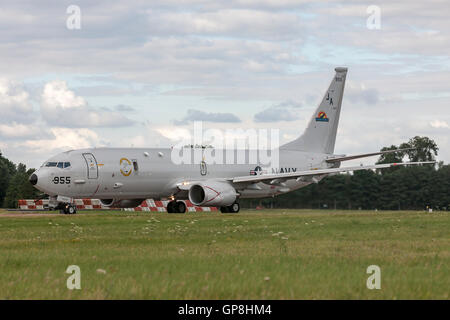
x: 32, y: 204
x: 95, y: 204
x: 154, y: 205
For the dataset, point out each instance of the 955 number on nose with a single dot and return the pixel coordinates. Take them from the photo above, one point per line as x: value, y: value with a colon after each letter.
x: 61, y: 180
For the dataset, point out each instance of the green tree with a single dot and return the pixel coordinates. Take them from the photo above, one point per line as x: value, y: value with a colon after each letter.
x: 7, y: 170
x: 19, y: 187
x: 391, y: 157
x: 422, y: 149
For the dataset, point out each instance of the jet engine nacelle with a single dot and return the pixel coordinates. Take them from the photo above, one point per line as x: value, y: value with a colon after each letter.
x: 212, y: 193
x: 126, y: 203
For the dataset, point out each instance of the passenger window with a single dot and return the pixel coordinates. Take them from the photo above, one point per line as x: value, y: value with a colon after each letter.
x: 135, y: 166
x: 60, y: 165
x: 66, y: 164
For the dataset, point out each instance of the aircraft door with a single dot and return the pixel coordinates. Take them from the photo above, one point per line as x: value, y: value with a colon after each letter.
x: 92, y: 168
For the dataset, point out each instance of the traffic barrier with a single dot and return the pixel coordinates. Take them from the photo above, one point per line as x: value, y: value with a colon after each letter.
x: 95, y: 204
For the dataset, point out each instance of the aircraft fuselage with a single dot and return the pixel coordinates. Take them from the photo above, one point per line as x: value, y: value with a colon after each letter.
x: 131, y: 173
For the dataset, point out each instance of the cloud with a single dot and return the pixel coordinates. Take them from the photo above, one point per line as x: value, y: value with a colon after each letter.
x: 64, y: 139
x: 357, y: 94
x: 234, y: 22
x: 284, y: 111
x: 62, y: 107
x: 123, y: 108
x: 174, y: 134
x: 14, y: 102
x: 438, y: 124
x: 22, y: 131
x: 57, y: 95
x: 202, y: 53
x: 197, y: 115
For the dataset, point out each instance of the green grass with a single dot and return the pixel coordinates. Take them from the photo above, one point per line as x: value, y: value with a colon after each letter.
x: 271, y: 254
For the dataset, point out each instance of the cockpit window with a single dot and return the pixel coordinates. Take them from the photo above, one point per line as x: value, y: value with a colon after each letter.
x: 60, y: 165
x: 51, y: 164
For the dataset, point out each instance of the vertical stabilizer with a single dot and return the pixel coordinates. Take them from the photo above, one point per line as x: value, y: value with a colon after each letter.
x: 320, y: 134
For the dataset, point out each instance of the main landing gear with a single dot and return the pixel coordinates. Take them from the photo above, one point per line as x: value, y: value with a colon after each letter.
x: 234, y: 208
x: 176, y: 207
x: 68, y: 208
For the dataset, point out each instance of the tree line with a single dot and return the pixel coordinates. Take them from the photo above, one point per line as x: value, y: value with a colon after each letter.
x: 396, y: 188
x: 14, y: 184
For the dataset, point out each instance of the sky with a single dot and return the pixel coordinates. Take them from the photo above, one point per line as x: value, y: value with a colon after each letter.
x: 77, y: 74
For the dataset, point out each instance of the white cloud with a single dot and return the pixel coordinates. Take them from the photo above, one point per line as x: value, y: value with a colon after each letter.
x: 284, y: 111
x: 154, y: 137
x: 60, y: 106
x: 20, y: 131
x: 14, y: 101
x: 57, y: 95
x: 167, y: 57
x: 198, y: 115
x: 439, y: 124
x: 174, y: 134
x: 360, y: 93
x: 64, y: 139
x: 234, y: 22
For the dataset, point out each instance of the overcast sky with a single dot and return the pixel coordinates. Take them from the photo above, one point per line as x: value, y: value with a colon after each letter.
x: 138, y: 73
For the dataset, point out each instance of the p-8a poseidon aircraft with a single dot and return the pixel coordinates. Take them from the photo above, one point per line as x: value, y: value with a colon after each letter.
x: 124, y: 177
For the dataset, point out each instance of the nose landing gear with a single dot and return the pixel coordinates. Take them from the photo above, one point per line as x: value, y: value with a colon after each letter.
x: 68, y: 208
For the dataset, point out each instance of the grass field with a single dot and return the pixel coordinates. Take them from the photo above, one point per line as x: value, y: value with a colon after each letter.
x: 271, y: 254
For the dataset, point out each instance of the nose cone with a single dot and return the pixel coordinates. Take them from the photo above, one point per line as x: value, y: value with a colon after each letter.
x: 33, y: 179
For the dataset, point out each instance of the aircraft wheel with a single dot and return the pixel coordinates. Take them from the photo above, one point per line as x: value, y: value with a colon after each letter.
x: 170, y: 207
x: 180, y: 206
x: 68, y: 209
x: 224, y: 209
x: 71, y: 209
x: 235, y: 207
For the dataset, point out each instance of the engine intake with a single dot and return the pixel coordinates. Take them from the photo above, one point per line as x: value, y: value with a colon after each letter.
x: 212, y: 193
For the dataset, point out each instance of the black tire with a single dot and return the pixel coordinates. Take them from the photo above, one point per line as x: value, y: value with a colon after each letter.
x: 235, y: 207
x: 170, y: 207
x: 71, y: 209
x: 224, y: 209
x: 66, y: 209
x: 180, y: 206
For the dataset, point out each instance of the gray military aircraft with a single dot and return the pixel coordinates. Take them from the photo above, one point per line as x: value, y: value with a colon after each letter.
x: 124, y: 177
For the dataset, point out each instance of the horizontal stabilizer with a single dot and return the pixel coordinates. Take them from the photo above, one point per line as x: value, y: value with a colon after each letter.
x: 363, y: 155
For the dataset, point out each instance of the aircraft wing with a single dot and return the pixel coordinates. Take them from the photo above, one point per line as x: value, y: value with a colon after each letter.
x: 280, y: 177
x: 363, y: 155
